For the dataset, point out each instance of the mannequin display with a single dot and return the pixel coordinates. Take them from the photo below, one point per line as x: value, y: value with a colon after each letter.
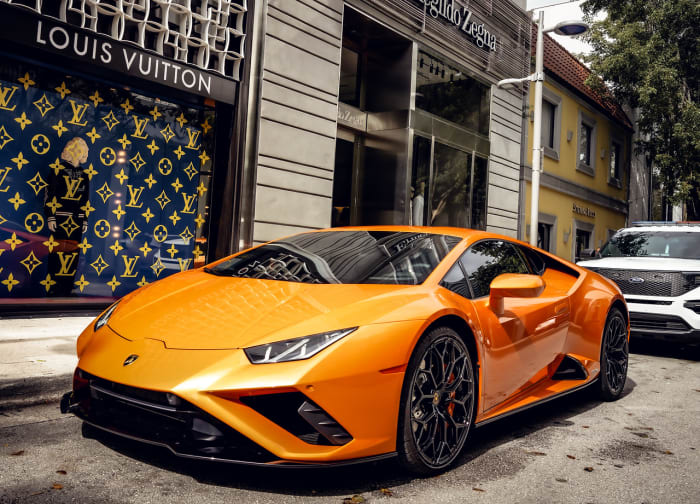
x: 67, y: 192
x: 417, y: 206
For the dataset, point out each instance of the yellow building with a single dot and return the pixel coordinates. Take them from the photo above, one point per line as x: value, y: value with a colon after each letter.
x: 587, y: 141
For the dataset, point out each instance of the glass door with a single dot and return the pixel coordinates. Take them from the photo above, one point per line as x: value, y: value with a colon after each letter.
x: 448, y: 185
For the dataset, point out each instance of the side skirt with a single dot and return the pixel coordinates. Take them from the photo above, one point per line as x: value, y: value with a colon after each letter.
x: 536, y: 403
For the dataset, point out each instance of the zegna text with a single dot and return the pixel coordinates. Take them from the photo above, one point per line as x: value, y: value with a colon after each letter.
x: 462, y: 19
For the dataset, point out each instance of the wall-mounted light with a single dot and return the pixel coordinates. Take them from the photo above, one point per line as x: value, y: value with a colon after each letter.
x: 566, y: 235
x: 569, y: 135
x: 602, y: 153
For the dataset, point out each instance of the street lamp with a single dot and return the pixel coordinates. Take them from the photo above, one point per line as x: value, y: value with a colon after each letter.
x: 569, y: 29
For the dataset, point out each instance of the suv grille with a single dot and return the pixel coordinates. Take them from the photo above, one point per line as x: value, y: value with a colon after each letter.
x: 660, y: 323
x: 655, y: 283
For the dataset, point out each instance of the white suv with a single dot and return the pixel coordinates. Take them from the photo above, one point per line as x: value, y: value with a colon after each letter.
x: 657, y: 267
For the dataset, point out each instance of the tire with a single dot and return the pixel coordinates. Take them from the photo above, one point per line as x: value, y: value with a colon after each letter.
x: 614, y: 356
x: 438, y: 403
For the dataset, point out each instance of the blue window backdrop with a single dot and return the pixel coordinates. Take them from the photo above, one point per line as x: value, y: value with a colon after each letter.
x: 145, y: 182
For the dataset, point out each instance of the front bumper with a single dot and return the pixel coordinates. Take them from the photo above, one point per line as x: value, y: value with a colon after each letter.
x: 356, y: 389
x: 668, y: 319
x: 163, y: 420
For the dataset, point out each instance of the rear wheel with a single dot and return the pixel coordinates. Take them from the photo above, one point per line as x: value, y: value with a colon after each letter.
x: 614, y: 356
x: 437, y: 403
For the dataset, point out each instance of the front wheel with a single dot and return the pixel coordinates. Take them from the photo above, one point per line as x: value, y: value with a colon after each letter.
x: 614, y: 356
x: 437, y: 403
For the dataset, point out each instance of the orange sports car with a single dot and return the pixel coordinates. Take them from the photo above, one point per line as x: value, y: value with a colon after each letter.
x: 348, y: 345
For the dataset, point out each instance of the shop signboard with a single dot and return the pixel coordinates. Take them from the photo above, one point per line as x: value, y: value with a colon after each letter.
x: 463, y: 20
x: 19, y: 26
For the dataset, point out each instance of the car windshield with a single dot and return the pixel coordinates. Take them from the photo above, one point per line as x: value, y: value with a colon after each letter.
x: 684, y: 245
x: 343, y: 257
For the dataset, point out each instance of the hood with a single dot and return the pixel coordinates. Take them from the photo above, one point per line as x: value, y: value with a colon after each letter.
x: 643, y: 263
x: 197, y: 310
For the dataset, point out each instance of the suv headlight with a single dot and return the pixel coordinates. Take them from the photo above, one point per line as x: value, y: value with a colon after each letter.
x: 294, y: 349
x: 102, y: 320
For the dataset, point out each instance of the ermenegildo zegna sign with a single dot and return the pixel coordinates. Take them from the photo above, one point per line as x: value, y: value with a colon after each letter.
x: 53, y: 36
x: 462, y: 18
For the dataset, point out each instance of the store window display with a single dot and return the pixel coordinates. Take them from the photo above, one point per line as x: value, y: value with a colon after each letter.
x: 102, y: 189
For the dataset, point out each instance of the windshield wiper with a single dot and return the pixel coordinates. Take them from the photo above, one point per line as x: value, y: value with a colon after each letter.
x: 214, y: 272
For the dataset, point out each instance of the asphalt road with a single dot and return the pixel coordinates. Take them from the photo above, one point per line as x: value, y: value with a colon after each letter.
x: 644, y: 448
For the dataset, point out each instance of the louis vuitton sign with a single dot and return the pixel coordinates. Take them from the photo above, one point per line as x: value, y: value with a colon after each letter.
x: 92, y: 49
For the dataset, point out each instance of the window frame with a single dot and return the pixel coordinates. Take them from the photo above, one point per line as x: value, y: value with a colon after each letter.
x: 465, y: 273
x: 616, y: 181
x: 556, y: 101
x: 586, y: 120
x: 583, y: 226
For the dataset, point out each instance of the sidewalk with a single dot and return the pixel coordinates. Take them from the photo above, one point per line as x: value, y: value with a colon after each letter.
x: 37, y: 359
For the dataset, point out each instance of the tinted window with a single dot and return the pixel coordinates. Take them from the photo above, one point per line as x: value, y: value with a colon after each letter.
x: 534, y: 259
x: 485, y: 260
x: 454, y: 280
x: 347, y: 257
x: 654, y: 243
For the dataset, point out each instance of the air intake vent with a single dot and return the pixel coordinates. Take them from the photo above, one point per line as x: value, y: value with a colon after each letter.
x: 570, y: 369
x: 296, y: 413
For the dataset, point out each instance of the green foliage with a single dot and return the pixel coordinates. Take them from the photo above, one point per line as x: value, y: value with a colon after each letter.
x: 646, y: 51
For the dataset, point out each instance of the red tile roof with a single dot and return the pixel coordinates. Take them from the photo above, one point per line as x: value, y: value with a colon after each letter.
x: 571, y: 71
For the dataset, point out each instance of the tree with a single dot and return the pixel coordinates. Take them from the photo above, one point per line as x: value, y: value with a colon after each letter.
x: 647, y: 51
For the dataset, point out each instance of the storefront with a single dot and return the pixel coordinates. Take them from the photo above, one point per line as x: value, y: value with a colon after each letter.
x: 386, y: 112
x: 117, y: 145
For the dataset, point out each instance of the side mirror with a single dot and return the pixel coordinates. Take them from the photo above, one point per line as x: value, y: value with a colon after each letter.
x: 513, y: 285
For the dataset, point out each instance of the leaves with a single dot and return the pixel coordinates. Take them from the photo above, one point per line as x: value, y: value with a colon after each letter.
x: 355, y: 499
x: 648, y: 53
x: 17, y: 453
x: 477, y: 489
x: 62, y: 472
x: 538, y: 453
x: 561, y: 480
x: 386, y: 492
x: 571, y: 457
x: 588, y: 469
x: 57, y: 486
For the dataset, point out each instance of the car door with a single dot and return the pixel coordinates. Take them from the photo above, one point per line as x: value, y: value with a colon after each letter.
x: 520, y: 344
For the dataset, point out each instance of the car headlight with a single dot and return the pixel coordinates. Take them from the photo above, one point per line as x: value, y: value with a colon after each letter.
x: 294, y: 349
x: 102, y: 320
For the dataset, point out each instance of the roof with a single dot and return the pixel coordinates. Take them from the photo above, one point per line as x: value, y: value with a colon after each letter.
x: 571, y: 71
x: 664, y: 228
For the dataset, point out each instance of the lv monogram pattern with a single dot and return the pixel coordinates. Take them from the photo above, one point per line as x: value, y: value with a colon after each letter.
x: 138, y: 193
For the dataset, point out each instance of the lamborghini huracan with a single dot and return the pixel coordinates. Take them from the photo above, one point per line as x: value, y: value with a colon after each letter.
x: 348, y: 345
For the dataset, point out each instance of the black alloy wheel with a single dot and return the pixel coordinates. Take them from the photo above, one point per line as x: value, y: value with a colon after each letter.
x: 437, y: 403
x: 614, y: 356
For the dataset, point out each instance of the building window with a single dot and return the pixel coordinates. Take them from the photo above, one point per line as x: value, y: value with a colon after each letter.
x: 551, y: 123
x: 447, y: 92
x: 615, y: 173
x: 586, y: 144
x: 348, y: 91
x: 544, y: 233
x: 447, y: 187
x: 583, y: 240
x: 583, y: 234
x: 106, y: 189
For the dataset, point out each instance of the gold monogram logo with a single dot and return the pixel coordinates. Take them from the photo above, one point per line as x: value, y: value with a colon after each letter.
x: 6, y: 94
x: 78, y: 113
x: 66, y: 260
x: 135, y: 196
x: 140, y: 125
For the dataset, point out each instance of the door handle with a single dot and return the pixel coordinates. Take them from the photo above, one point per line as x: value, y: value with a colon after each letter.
x: 561, y: 308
